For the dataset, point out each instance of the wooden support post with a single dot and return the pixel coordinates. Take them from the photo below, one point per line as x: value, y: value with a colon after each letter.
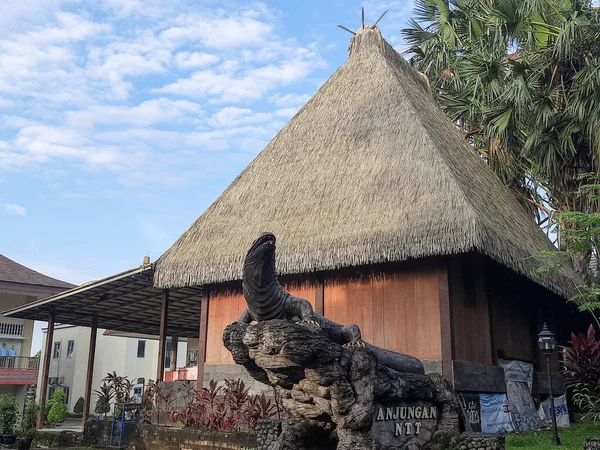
x: 202, y: 337
x: 90, y: 370
x: 174, y: 345
x: 446, y: 324
x: 320, y: 297
x: 162, y: 342
x: 46, y: 367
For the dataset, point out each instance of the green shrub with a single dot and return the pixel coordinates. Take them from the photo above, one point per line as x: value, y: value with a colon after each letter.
x: 57, y: 413
x: 57, y: 397
x: 30, y: 415
x: 8, y: 414
x: 78, y: 408
x: 26, y: 428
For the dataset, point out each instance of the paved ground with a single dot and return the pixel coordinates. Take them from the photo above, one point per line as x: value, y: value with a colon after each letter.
x: 67, y: 425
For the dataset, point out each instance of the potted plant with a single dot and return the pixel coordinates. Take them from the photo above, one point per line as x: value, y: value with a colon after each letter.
x: 26, y: 428
x: 8, y: 419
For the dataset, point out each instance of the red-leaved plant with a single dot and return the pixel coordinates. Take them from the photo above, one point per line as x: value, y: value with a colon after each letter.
x: 223, y: 408
x: 581, y: 369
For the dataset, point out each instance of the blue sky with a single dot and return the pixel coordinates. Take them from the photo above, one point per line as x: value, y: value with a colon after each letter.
x: 122, y: 120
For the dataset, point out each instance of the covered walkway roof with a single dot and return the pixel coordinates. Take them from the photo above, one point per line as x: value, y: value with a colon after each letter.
x: 126, y: 302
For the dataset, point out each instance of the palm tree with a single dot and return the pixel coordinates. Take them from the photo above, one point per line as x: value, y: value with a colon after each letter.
x: 521, y: 79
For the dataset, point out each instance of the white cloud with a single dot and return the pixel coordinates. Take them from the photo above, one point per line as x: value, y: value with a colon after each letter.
x: 13, y: 208
x: 147, y: 113
x: 195, y: 60
x: 148, y: 98
x: 289, y: 99
x: 232, y: 85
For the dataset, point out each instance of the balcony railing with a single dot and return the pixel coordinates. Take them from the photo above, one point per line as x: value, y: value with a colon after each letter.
x: 19, y: 363
x: 11, y: 329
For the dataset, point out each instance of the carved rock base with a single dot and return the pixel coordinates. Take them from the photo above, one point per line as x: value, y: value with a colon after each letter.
x: 336, y: 397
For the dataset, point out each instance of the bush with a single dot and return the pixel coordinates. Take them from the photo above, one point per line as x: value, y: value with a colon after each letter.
x: 26, y: 428
x: 30, y: 415
x: 57, y: 413
x: 581, y: 369
x: 58, y: 404
x: 8, y: 414
x: 78, y: 408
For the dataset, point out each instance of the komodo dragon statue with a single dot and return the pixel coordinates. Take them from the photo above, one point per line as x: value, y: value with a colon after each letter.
x: 267, y: 300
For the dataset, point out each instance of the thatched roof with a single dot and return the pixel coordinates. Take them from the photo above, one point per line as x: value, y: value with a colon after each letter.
x: 368, y: 171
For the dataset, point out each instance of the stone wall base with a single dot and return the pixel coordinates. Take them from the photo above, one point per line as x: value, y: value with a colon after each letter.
x: 140, y: 436
x: 477, y: 441
x: 592, y: 443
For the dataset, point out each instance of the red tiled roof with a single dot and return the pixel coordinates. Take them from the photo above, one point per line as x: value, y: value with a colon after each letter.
x: 14, y: 272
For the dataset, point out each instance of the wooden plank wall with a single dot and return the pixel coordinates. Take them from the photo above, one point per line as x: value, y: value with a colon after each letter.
x: 471, y: 333
x: 225, y: 308
x: 513, y: 303
x: 399, y: 312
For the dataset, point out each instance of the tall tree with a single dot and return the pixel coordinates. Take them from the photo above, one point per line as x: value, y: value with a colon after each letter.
x: 521, y: 78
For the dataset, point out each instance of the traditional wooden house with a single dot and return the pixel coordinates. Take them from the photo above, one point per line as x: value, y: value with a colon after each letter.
x: 387, y: 218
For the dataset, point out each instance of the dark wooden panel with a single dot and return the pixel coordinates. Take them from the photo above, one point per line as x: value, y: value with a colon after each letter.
x: 471, y: 335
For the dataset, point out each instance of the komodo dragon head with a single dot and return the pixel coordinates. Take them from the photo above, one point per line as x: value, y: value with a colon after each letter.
x: 264, y: 295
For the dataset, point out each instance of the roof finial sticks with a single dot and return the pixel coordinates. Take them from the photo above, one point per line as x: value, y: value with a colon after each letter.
x: 363, y: 22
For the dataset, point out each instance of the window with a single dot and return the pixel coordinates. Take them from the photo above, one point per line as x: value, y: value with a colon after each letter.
x: 70, y: 348
x: 168, y: 354
x: 141, y: 349
x: 56, y: 353
x: 66, y: 390
x: 51, y: 390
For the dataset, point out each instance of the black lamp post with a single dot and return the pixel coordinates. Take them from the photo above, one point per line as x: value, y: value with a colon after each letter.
x: 547, y: 344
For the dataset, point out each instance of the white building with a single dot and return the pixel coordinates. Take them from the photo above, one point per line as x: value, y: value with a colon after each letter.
x: 134, y: 357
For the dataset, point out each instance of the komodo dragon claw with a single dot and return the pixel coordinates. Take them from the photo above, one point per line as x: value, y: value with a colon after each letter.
x: 313, y: 323
x: 355, y: 344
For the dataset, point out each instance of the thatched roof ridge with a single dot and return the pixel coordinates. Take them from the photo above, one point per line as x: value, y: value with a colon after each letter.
x: 368, y: 171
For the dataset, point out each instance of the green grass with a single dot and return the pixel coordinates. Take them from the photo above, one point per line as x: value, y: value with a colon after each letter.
x: 571, y: 438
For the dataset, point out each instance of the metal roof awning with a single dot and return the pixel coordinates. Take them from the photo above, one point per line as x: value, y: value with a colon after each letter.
x: 125, y: 302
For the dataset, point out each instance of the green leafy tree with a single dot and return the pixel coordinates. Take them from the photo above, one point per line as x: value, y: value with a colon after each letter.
x: 520, y: 78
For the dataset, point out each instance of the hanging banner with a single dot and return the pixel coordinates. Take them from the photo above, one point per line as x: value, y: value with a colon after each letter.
x: 519, y: 381
x: 472, y: 410
x: 560, y: 409
x: 518, y: 371
x: 522, y: 408
x: 495, y: 413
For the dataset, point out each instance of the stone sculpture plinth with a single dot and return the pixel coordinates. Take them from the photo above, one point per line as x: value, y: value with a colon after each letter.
x: 339, y: 397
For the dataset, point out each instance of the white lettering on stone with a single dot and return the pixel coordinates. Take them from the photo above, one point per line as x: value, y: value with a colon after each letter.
x: 389, y: 413
x: 398, y: 429
x: 408, y: 427
x: 433, y: 412
x: 418, y: 412
x: 417, y: 427
x: 380, y: 414
x: 403, y: 412
x: 411, y: 412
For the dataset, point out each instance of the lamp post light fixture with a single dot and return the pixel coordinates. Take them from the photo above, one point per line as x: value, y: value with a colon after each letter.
x: 547, y: 344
